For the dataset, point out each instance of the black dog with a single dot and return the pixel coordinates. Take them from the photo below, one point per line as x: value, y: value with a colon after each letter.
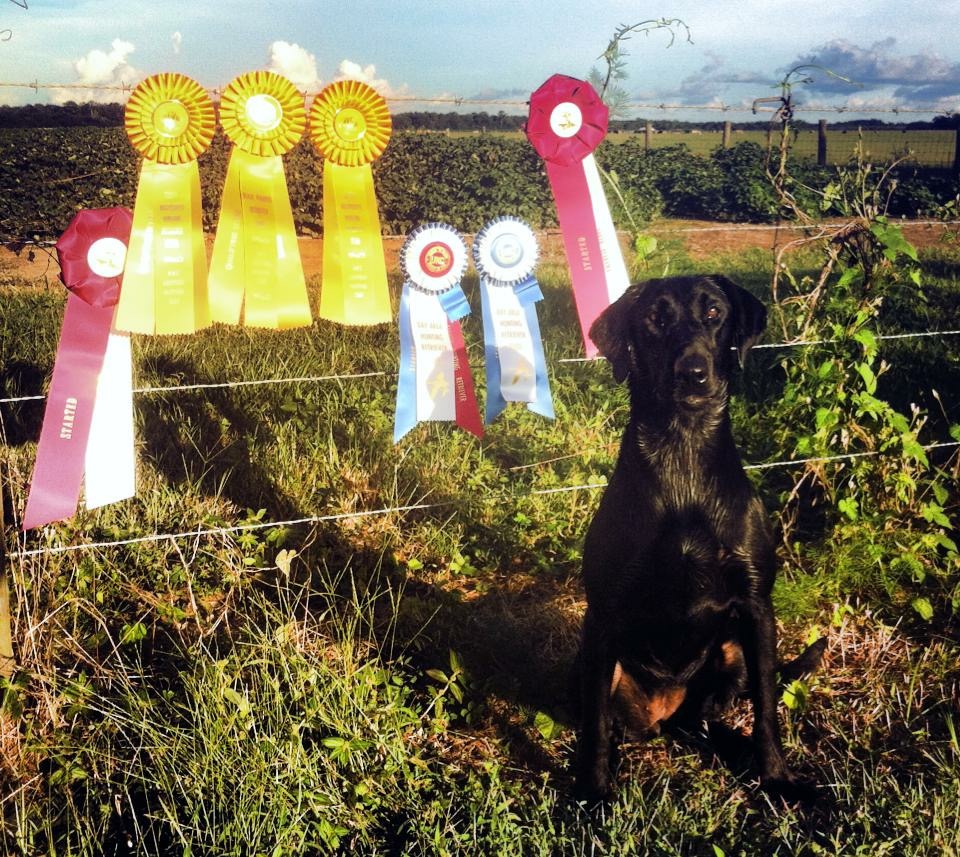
x: 679, y: 561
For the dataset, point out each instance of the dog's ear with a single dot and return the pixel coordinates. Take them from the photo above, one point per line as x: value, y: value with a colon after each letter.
x: 611, y: 333
x: 749, y: 315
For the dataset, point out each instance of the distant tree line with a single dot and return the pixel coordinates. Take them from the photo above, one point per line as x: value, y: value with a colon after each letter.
x: 105, y: 115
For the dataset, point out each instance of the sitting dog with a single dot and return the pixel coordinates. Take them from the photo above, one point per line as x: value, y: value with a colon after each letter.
x: 679, y: 560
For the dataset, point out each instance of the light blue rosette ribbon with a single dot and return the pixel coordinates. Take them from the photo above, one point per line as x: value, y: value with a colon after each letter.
x: 505, y: 252
x: 434, y: 381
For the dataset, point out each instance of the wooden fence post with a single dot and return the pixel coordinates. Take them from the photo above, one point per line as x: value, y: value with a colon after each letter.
x: 7, y: 662
x: 822, y: 143
x: 727, y: 130
x: 647, y: 134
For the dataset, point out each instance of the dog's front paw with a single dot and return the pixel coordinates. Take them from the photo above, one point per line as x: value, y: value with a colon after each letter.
x: 790, y: 788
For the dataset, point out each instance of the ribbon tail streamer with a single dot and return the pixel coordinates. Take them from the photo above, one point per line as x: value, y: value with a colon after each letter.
x: 614, y: 268
x: 110, y: 463
x: 354, y: 288
x: 406, y: 414
x: 581, y: 243
x: 59, y: 467
x: 468, y: 413
x: 165, y: 280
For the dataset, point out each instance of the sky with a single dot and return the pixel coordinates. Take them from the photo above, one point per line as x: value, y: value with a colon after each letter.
x: 898, y: 53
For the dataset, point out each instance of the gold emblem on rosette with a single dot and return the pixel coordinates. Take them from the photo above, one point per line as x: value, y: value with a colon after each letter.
x: 169, y: 119
x: 350, y: 123
x: 262, y: 113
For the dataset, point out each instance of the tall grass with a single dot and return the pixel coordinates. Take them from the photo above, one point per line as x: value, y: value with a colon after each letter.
x: 397, y: 684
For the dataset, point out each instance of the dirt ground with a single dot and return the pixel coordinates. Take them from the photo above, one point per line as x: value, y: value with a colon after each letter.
x: 701, y: 239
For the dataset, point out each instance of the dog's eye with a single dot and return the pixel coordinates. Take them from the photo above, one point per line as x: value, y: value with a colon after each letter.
x: 713, y: 313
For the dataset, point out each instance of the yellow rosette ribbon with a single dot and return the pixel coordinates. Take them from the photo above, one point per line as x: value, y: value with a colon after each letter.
x: 170, y: 122
x: 350, y: 126
x: 256, y: 261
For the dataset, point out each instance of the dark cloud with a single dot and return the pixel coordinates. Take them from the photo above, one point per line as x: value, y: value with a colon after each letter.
x: 709, y: 83
x: 923, y: 76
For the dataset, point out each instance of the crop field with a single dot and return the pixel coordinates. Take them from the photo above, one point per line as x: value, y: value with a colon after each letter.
x: 928, y: 148
x: 300, y: 638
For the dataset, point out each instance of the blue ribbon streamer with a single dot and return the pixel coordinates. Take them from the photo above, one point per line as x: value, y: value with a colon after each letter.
x: 528, y: 293
x: 406, y: 415
x: 454, y: 302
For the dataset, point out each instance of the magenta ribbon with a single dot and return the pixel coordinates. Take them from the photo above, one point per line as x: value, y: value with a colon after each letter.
x: 465, y: 400
x: 87, y: 319
x: 564, y: 162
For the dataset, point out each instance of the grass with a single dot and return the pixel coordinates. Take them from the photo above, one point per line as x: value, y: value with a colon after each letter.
x: 397, y: 684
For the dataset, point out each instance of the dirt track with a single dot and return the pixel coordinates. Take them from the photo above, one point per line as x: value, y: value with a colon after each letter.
x: 701, y: 239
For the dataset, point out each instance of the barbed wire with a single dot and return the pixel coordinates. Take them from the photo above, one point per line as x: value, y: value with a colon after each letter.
x: 340, y: 516
x: 468, y: 101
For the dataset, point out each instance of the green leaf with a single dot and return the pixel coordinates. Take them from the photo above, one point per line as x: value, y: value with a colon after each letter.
x: 923, y: 607
x: 869, y: 379
x: 849, y: 507
x: 546, y: 725
x: 133, y: 633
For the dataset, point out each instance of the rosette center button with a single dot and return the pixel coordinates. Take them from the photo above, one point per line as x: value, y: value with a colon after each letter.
x: 506, y: 250
x: 349, y: 125
x: 263, y: 112
x: 566, y: 119
x: 171, y: 119
x: 106, y: 257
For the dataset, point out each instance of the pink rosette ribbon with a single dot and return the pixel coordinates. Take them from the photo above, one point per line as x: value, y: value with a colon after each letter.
x: 88, y: 420
x: 567, y: 121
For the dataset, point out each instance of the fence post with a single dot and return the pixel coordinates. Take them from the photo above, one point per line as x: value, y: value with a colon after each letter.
x: 727, y: 130
x: 647, y: 134
x: 7, y: 662
x: 822, y: 143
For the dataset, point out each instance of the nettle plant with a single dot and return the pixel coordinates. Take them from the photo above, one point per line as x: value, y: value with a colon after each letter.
x: 889, y: 520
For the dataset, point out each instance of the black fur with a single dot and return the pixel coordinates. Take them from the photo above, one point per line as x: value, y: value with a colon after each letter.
x: 679, y: 560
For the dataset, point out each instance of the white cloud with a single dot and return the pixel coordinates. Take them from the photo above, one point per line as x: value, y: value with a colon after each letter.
x: 350, y: 70
x: 98, y: 68
x: 296, y: 64
x: 177, y: 39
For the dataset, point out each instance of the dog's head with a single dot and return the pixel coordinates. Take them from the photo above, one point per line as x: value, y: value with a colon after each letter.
x: 676, y: 338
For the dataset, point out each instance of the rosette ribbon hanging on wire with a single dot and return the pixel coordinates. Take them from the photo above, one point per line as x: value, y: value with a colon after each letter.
x: 87, y: 432
x: 350, y: 126
x: 170, y: 122
x: 435, y: 381
x: 567, y: 122
x: 256, y: 261
x: 505, y: 252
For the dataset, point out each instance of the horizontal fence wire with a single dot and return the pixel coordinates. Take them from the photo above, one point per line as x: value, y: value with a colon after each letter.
x: 355, y: 376
x: 469, y: 101
x: 341, y: 516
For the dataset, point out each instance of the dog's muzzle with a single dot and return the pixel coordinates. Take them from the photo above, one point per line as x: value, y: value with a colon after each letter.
x: 693, y: 376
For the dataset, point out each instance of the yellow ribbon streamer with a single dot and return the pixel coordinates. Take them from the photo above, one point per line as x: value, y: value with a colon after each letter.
x: 169, y: 120
x: 350, y: 126
x: 256, y: 262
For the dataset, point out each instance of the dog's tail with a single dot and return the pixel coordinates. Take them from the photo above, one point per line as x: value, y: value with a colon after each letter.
x: 806, y: 662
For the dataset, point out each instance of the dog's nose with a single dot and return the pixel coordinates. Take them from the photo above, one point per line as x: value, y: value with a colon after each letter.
x: 692, y: 369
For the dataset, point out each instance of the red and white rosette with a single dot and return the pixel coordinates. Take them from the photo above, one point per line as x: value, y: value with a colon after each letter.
x: 567, y: 121
x: 87, y: 432
x: 435, y: 382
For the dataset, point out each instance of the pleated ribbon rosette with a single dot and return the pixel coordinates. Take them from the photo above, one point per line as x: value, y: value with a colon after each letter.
x: 505, y: 253
x: 350, y: 126
x: 87, y: 432
x: 256, y: 264
x: 435, y: 381
x: 567, y: 121
x: 170, y: 121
